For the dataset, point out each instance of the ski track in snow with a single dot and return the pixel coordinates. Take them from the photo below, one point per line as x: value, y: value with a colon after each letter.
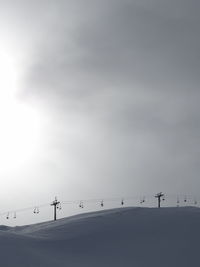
x: 135, y: 237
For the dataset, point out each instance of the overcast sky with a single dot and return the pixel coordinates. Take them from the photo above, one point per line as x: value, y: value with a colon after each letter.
x: 116, y: 84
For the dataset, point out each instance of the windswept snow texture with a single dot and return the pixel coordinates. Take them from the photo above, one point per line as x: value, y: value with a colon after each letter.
x: 140, y: 237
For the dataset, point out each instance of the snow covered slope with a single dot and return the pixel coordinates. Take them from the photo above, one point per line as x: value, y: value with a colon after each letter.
x: 140, y: 237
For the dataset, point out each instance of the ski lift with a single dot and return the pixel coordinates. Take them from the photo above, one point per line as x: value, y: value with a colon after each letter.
x: 15, y: 215
x: 36, y: 210
x: 81, y: 205
x: 122, y: 202
x: 142, y: 200
x: 7, y: 216
x: 59, y: 207
x: 102, y: 204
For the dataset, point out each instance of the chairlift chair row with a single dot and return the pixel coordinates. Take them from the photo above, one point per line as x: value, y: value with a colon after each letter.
x: 142, y: 200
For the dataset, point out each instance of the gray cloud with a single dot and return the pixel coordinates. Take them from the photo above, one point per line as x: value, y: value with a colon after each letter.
x: 119, y: 44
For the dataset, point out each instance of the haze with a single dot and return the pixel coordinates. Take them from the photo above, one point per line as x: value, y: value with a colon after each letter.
x: 111, y: 93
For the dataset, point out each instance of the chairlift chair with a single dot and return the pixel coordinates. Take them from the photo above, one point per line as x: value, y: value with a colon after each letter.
x: 81, y: 205
x: 142, y: 200
x: 36, y: 210
x: 59, y: 207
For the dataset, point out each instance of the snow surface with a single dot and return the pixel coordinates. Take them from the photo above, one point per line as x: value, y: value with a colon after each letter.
x: 140, y: 237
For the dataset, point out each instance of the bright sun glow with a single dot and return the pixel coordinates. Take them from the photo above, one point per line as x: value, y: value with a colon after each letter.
x: 19, y: 124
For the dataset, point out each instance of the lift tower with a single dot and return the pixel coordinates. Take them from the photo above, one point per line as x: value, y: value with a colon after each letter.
x: 55, y: 203
x: 159, y: 196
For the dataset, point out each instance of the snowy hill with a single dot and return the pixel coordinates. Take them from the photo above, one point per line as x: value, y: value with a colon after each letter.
x: 125, y: 237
